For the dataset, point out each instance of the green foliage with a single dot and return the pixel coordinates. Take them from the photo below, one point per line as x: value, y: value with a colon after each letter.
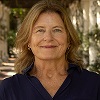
x: 11, y: 38
x: 92, y: 39
x: 13, y: 23
x: 19, y: 12
x: 95, y: 37
x: 15, y: 15
x: 95, y: 67
x: 11, y: 42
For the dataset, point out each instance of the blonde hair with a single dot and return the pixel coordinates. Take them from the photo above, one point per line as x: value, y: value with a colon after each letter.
x: 26, y: 57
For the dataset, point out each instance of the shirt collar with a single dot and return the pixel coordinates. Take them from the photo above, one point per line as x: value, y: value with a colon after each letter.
x: 27, y: 69
x: 71, y: 68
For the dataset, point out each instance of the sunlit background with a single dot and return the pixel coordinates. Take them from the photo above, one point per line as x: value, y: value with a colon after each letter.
x: 84, y: 14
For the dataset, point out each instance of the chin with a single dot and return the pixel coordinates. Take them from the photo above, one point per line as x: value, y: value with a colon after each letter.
x: 47, y: 58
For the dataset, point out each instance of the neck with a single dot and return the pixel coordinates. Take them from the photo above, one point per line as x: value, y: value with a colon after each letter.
x: 50, y: 68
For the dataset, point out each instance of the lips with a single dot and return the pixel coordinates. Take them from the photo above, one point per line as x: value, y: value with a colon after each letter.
x: 48, y: 46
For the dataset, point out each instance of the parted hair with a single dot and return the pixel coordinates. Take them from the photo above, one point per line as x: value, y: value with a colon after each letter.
x: 25, y: 56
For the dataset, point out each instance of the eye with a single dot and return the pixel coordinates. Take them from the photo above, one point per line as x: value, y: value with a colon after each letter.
x: 57, y: 30
x: 40, y: 31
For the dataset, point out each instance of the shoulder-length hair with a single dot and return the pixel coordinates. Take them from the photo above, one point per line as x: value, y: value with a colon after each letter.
x: 26, y: 57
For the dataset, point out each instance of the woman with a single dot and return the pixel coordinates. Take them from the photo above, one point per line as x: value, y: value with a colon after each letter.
x: 48, y: 66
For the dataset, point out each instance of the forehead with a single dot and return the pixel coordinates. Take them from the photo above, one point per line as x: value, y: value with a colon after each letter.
x: 49, y: 18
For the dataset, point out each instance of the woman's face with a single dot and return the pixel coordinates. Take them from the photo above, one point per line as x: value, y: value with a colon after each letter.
x: 49, y: 37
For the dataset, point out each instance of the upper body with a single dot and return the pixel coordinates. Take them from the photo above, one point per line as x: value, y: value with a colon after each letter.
x: 79, y: 85
x: 48, y: 38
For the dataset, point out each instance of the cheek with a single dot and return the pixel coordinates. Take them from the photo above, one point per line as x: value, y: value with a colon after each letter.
x: 33, y: 45
x: 65, y: 44
x: 32, y: 42
x: 64, y: 40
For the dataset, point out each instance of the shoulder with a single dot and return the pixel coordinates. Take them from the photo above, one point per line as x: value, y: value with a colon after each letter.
x: 10, y: 86
x: 90, y: 74
x: 91, y: 81
x: 8, y: 82
x: 6, y: 86
x: 90, y: 77
x: 83, y: 75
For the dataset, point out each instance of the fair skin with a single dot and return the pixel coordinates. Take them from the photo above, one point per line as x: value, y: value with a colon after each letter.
x: 49, y: 43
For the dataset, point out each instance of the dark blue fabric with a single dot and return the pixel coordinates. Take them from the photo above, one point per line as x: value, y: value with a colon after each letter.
x: 79, y: 85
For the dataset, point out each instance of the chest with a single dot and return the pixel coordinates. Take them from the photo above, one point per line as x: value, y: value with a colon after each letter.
x: 32, y: 89
x: 37, y: 92
x: 52, y: 85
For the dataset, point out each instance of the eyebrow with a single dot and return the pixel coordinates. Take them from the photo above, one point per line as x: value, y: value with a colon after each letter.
x: 38, y: 27
x: 58, y: 27
x: 44, y: 27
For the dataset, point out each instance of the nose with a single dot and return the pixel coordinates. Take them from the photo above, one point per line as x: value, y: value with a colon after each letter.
x: 48, y: 36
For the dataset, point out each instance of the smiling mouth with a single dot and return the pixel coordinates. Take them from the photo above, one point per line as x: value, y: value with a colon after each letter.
x: 48, y: 46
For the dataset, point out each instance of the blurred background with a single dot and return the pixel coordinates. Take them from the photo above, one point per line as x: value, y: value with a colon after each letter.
x: 84, y: 14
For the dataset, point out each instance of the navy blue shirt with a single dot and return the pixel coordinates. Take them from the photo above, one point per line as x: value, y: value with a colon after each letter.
x: 79, y: 85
